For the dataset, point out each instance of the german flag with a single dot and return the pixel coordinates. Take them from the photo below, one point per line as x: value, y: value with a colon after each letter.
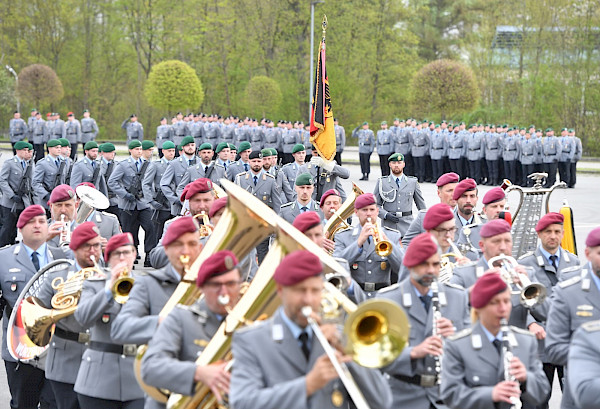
x: 322, y: 134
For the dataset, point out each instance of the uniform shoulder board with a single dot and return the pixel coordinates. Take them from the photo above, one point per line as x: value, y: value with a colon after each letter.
x: 570, y: 269
x: 412, y: 177
x: 217, y: 164
x: 529, y: 253
x: 252, y: 326
x: 390, y: 229
x: 521, y: 331
x: 470, y: 226
x: 240, y: 174
x: 269, y: 175
x: 569, y: 282
x: 461, y: 334
x: 591, y: 326
x: 287, y: 165
x: 349, y: 228
x: 286, y: 205
x: 388, y: 288
x: 3, y: 247
x: 453, y: 285
x: 110, y: 215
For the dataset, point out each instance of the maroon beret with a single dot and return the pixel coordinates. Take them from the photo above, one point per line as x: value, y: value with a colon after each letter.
x: 364, y: 200
x: 494, y: 228
x: 330, y: 192
x: 447, y: 178
x: 185, y: 224
x: 29, y: 213
x: 486, y: 287
x: 306, y: 221
x: 462, y: 187
x: 548, y: 219
x: 420, y: 249
x: 86, y: 184
x: 436, y: 215
x: 219, y: 263
x: 61, y: 193
x: 116, y: 241
x: 201, y: 185
x: 217, y: 205
x: 593, y: 239
x: 494, y: 195
x: 296, y: 267
x: 83, y: 233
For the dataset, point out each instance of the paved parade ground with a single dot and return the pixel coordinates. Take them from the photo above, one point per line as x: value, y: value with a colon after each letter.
x: 583, y: 199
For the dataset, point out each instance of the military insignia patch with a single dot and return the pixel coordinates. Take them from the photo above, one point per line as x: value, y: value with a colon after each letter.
x: 13, y: 287
x: 105, y: 318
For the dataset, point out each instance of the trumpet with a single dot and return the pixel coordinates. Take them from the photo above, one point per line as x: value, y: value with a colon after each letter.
x: 383, y: 248
x: 65, y: 232
x: 507, y: 356
x: 205, y: 226
x: 531, y: 294
x: 122, y: 287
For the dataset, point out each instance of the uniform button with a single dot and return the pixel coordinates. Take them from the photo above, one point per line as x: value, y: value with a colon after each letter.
x: 14, y: 278
x: 368, y: 261
x: 122, y: 356
x: 54, y: 344
x: 475, y: 378
x: 368, y: 272
x: 88, y: 359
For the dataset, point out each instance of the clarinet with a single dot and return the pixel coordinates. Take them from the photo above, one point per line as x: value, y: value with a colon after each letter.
x: 507, y: 356
x: 436, y: 315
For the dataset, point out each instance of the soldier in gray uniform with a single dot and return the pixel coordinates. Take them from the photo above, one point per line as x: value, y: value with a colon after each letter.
x: 370, y: 270
x: 89, y: 128
x: 473, y: 373
x: 292, y: 169
x: 457, y: 150
x: 26, y: 381
x: 385, y: 147
x: 169, y: 362
x: 228, y: 131
x: 164, y: 133
x: 576, y: 158
x: 395, y: 194
x: 38, y: 136
x: 73, y: 133
x: 296, y: 370
x: 584, y: 374
x: 413, y: 376
x: 195, y: 128
x: 222, y: 152
x: 17, y: 130
x: 528, y: 151
x: 326, y: 175
x: 180, y: 129
x: 240, y: 134
x: 48, y: 173
x: 30, y: 121
x: 438, y: 148
x: 510, y: 155
x: 340, y: 140
x: 206, y: 168
x: 401, y: 134
x: 126, y: 183
x: 566, y: 155
x: 134, y: 129
x: 475, y: 153
x: 106, y: 151
x: 175, y: 171
x: 58, y: 129
x: 242, y: 165
x: 106, y: 377
x: 366, y: 144
x: 290, y: 138
x: 419, y: 147
x: 256, y: 137
x: 574, y: 302
x: 550, y: 152
x: 88, y: 169
x: 493, y: 154
x: 70, y: 338
x: 269, y: 166
x: 15, y: 184
x: 210, y: 134
x: 304, y: 187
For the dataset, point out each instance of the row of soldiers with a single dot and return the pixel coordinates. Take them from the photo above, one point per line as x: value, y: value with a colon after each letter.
x: 294, y: 371
x: 487, y: 153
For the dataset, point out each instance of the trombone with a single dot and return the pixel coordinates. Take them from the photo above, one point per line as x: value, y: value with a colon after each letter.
x: 531, y: 294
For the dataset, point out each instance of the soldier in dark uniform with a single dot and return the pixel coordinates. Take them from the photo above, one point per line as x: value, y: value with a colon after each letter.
x: 473, y: 368
x: 169, y: 362
x: 134, y: 129
x: 304, y: 187
x: 17, y: 130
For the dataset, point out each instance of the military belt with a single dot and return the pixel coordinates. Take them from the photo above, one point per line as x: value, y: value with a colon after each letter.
x: 437, y: 149
x: 81, y: 337
x: 493, y: 149
x: 403, y: 214
x: 18, y: 134
x: 473, y: 150
x: 426, y: 381
x: 127, y: 349
x: 418, y: 146
x: 373, y: 286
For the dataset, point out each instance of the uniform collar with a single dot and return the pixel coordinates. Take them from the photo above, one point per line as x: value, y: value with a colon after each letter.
x: 547, y: 255
x: 489, y: 335
x: 294, y: 328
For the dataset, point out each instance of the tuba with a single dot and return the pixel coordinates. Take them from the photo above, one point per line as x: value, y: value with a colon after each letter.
x: 90, y: 199
x: 531, y: 294
x: 260, y: 300
x: 337, y: 221
x: 245, y: 222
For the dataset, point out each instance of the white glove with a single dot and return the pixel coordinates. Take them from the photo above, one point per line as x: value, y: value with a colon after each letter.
x: 327, y: 165
x: 316, y: 160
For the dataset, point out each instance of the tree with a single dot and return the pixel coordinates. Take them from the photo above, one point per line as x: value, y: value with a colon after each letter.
x: 174, y: 85
x: 444, y: 87
x: 7, y: 91
x: 263, y: 95
x: 39, y: 84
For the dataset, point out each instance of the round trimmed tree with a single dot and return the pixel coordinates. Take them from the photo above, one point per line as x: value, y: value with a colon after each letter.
x: 39, y: 85
x: 174, y: 86
x: 263, y: 96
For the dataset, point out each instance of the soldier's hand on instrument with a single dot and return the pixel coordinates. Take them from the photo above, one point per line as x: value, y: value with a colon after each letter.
x: 332, y: 334
x: 322, y: 373
x: 116, y: 271
x: 462, y: 260
x: 445, y: 327
x: 504, y: 390
x: 54, y: 229
x: 215, y: 376
x: 103, y: 243
x: 328, y: 245
x: 518, y: 370
x: 537, y: 330
x: 365, y: 233
x: 430, y: 346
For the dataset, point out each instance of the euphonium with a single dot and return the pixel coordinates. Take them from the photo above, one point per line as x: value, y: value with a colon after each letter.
x: 122, y: 287
x: 531, y: 294
x: 205, y: 226
x: 382, y: 247
x: 507, y: 356
x: 337, y: 221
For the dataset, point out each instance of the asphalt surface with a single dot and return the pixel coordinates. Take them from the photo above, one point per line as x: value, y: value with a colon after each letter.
x: 582, y: 199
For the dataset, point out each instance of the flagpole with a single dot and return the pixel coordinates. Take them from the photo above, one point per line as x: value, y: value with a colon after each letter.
x: 312, y: 52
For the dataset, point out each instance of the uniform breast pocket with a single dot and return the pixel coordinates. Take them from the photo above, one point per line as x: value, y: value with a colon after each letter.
x: 179, y: 176
x: 477, y: 377
x: 12, y: 284
x: 405, y: 198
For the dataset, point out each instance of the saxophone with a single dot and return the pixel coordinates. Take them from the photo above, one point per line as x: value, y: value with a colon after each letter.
x: 436, y: 315
x: 507, y: 356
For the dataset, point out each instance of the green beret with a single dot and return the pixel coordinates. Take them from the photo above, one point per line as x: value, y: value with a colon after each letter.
x: 168, y: 145
x: 135, y: 144
x: 383, y: 122
x: 304, y: 179
x: 34, y: 110
x: 273, y: 151
x: 30, y: 146
x: 220, y: 146
x: 86, y: 110
x: 64, y: 142
x: 147, y: 145
x: 298, y: 148
x: 90, y: 145
x: 365, y: 123
x: 107, y: 147
x: 21, y: 145
x: 398, y: 119
x: 549, y: 129
x: 244, y: 146
x: 571, y: 130
x: 266, y: 152
x: 396, y: 157
x: 523, y: 129
x: 205, y: 146
x: 179, y: 147
x: 232, y: 147
x: 187, y: 140
x: 564, y: 129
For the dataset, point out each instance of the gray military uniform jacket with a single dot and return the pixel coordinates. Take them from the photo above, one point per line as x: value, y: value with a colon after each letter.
x: 64, y: 355
x: 291, y: 170
x: 180, y: 130
x: 471, y: 233
x: 291, y: 210
x: 510, y: 148
x: 265, y: 190
x: 438, y: 145
x: 287, y: 194
x: 44, y: 178
x: 273, y: 376
x: 89, y: 129
x: 73, y: 131
x: 366, y: 266
x: 385, y: 142
x: 551, y: 148
x: 169, y: 362
x: 453, y: 304
x: 325, y: 180
x: 398, y: 200
x: 457, y: 146
x: 11, y: 176
x: 528, y: 151
x: 475, y: 146
x: 164, y: 133
x: 171, y: 178
x: 366, y: 141
x: 17, y: 129
x: 122, y: 178
x: 419, y: 141
x: 138, y: 319
x: 584, y: 373
x: 234, y: 168
x: 493, y: 146
x: 340, y: 138
x: 151, y: 185
x: 472, y: 367
x: 103, y: 375
x: 38, y: 132
x: 135, y: 130
x: 107, y: 223
x: 16, y: 271
x: 86, y: 170
x: 215, y: 173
